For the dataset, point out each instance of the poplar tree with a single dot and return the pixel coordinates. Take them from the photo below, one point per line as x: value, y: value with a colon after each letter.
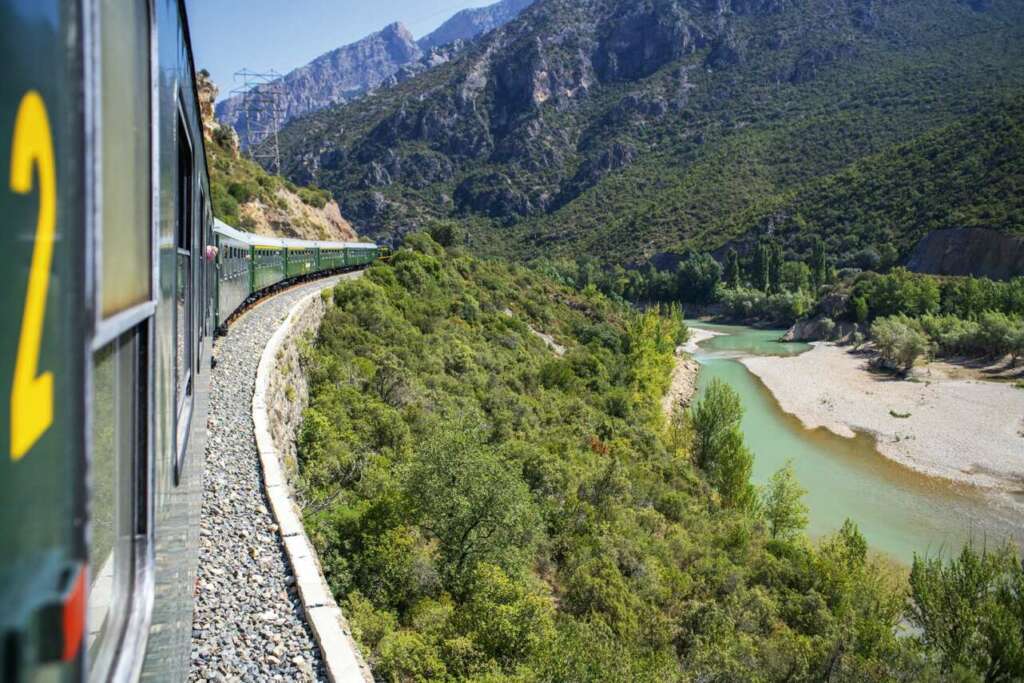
x: 819, y: 263
x: 732, y: 270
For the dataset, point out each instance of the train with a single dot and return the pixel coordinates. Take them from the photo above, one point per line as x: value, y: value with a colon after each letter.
x: 251, y: 265
x: 117, y: 281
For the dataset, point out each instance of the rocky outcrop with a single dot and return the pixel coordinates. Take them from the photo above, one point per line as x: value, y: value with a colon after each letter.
x: 820, y: 328
x: 214, y: 131
x: 470, y: 23
x: 969, y: 251
x: 335, y: 77
x: 289, y: 216
x: 380, y: 59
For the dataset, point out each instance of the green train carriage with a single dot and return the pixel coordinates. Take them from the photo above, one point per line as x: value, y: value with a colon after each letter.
x: 112, y: 297
x: 250, y: 264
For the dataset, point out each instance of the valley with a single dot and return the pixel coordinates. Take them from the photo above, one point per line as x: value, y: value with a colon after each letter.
x: 695, y: 348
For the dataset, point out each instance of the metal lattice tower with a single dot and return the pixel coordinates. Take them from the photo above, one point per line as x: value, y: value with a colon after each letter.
x: 263, y: 106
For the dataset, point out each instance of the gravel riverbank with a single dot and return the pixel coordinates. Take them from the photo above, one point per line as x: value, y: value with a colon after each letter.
x: 968, y: 431
x: 248, y: 622
x: 684, y: 377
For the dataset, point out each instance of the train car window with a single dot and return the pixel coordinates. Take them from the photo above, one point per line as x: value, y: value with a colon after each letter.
x: 123, y: 280
x: 183, y: 293
x: 117, y: 510
x: 126, y: 242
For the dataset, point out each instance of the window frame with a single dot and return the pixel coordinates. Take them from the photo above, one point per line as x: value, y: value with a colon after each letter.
x: 184, y: 394
x: 122, y: 659
x: 107, y: 330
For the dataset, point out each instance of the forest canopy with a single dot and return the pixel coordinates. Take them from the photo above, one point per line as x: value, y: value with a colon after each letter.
x: 495, y: 494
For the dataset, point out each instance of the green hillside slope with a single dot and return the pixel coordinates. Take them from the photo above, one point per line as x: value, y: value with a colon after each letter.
x: 620, y: 129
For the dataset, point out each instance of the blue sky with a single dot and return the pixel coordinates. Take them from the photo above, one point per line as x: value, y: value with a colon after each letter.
x: 260, y: 35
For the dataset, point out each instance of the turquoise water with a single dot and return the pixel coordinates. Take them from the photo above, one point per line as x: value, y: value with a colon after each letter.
x: 899, y: 511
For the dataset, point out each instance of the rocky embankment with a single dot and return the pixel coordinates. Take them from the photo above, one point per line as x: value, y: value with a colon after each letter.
x: 683, y: 386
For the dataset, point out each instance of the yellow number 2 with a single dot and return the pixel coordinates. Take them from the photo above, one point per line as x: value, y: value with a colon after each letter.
x: 32, y: 393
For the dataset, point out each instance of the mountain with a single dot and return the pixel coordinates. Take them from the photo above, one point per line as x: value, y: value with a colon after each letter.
x: 344, y: 74
x: 967, y: 177
x: 623, y: 128
x: 337, y: 76
x: 470, y: 23
x: 246, y: 197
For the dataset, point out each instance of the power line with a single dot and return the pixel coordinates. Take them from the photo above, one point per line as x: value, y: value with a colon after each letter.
x: 262, y: 114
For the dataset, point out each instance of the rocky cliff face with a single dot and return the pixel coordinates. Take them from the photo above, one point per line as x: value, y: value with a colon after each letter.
x: 977, y: 252
x: 470, y: 23
x: 386, y: 57
x: 618, y: 126
x: 337, y: 76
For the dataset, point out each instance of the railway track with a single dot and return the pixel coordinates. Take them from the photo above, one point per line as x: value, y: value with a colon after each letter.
x: 248, y: 623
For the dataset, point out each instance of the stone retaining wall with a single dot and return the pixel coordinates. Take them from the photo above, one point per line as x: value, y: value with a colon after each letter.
x: 280, y: 397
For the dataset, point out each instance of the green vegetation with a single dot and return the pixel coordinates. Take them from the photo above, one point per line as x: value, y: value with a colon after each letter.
x: 237, y: 180
x: 971, y: 611
x: 486, y: 509
x: 866, y: 130
x: 782, y: 502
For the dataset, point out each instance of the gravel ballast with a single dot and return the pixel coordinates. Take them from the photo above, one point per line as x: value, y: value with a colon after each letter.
x: 248, y: 623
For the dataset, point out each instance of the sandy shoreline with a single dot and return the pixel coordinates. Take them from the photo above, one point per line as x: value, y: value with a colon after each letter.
x: 684, y: 377
x: 967, y: 431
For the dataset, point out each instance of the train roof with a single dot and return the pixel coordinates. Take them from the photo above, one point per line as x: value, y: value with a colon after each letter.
x: 222, y: 228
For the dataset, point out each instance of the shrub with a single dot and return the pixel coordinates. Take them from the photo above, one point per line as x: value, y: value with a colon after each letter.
x: 899, y: 341
x: 314, y: 196
x: 244, y: 190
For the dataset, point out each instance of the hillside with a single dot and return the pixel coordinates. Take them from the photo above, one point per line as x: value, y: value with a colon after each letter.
x: 495, y: 495
x: 969, y: 175
x: 488, y: 509
x: 246, y: 197
x: 622, y: 129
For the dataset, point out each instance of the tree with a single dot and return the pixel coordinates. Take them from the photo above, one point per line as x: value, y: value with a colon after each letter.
x: 760, y: 267
x: 819, y: 263
x: 899, y: 342
x: 796, y: 276
x: 718, y: 444
x: 462, y: 494
x: 782, y: 503
x: 902, y: 292
x: 732, y: 270
x: 698, y: 278
x: 860, y: 309
x: 971, y: 612
x: 774, y: 268
x: 1017, y: 343
x: 888, y: 256
x: 446, y: 233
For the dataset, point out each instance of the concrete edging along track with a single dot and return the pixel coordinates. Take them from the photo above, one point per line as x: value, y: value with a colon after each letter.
x: 338, y: 650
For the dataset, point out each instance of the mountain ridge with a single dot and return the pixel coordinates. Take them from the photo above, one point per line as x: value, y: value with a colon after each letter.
x: 381, y: 58
x: 543, y: 132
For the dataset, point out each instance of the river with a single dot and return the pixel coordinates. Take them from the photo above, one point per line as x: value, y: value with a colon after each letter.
x: 900, y: 512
